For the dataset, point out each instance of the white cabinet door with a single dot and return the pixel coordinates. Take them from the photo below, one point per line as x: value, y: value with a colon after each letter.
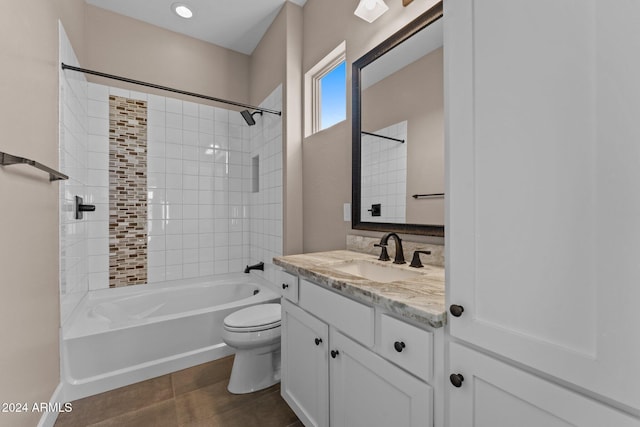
x: 368, y: 391
x: 496, y: 394
x: 543, y: 166
x: 305, y: 373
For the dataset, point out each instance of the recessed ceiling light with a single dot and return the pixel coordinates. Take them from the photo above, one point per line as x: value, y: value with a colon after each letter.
x: 182, y: 10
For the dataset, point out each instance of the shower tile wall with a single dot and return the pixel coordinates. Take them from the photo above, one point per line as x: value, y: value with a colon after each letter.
x: 127, y: 191
x: 98, y: 190
x: 198, y: 167
x: 384, y: 174
x: 203, y: 217
x: 265, y: 235
x: 195, y: 189
x: 74, y: 276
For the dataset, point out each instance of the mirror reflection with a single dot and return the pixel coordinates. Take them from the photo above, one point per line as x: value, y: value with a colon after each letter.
x: 402, y: 133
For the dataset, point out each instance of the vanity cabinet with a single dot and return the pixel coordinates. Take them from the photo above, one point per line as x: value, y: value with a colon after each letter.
x: 305, y: 365
x: 334, y: 373
x: 543, y: 232
x: 366, y: 390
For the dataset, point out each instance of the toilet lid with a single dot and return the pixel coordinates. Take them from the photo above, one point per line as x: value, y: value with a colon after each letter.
x: 254, y: 316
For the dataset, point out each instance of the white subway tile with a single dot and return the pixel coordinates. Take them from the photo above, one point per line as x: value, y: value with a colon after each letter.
x: 190, y: 226
x: 190, y: 109
x: 98, y: 92
x: 115, y: 91
x: 98, y: 109
x: 189, y: 259
x: 98, y: 281
x: 174, y: 257
x: 191, y: 270
x: 174, y: 272
x: 174, y: 241
x: 98, y: 126
x: 173, y: 120
x: 190, y: 241
x: 173, y: 105
x: 189, y: 196
x: 156, y: 102
x: 174, y: 226
x: 156, y: 274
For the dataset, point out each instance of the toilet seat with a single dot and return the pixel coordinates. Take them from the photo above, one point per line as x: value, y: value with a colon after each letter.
x: 256, y: 318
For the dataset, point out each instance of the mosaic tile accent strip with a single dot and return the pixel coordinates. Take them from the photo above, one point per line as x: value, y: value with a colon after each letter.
x: 127, y: 191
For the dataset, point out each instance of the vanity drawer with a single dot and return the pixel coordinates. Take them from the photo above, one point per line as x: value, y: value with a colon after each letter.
x: 350, y: 317
x: 407, y: 346
x: 289, y: 286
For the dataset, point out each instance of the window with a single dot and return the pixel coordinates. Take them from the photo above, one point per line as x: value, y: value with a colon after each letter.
x: 326, y: 92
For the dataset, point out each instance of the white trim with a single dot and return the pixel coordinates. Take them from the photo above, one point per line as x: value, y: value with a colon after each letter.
x: 48, y: 419
x: 312, y: 93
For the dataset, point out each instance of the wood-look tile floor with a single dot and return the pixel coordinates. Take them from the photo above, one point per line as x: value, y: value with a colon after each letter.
x: 194, y: 397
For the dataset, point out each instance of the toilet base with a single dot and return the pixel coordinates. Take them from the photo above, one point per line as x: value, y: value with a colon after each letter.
x: 255, y: 369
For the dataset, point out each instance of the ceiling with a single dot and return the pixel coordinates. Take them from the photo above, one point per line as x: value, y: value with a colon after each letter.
x: 235, y: 24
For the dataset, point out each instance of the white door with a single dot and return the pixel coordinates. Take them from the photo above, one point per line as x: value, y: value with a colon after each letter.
x: 494, y: 394
x: 543, y: 191
x: 305, y: 369
x: 368, y: 391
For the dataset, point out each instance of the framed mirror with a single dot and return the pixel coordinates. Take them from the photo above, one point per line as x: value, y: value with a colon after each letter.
x: 398, y: 131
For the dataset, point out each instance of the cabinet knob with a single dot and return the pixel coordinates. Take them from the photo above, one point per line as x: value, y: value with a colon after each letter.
x: 318, y: 341
x: 285, y: 286
x: 399, y: 346
x: 456, y: 310
x: 456, y: 380
x: 334, y: 353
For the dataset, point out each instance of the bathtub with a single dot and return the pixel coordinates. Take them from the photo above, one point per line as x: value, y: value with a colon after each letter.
x: 117, y: 337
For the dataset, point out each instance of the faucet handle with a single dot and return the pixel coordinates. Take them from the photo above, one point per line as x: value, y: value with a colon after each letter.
x: 384, y: 255
x: 415, y: 262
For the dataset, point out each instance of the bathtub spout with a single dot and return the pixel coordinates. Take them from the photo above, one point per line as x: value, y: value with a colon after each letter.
x: 258, y: 266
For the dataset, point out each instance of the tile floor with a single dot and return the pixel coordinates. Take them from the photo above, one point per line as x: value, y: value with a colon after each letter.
x: 194, y: 397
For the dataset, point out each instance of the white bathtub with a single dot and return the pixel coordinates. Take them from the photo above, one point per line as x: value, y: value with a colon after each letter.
x: 121, y: 336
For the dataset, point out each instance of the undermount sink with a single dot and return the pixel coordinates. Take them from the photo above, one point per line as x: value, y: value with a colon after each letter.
x: 375, y: 272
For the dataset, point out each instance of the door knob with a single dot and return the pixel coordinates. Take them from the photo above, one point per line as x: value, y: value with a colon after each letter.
x: 456, y: 380
x: 318, y: 341
x: 399, y: 346
x: 334, y: 353
x: 456, y: 310
x: 285, y: 286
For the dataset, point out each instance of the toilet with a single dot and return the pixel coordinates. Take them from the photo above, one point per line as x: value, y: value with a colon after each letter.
x: 254, y: 332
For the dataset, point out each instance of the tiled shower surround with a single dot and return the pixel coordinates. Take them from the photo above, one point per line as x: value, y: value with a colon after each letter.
x: 127, y: 191
x: 196, y: 215
x: 199, y: 187
x: 266, y: 204
x: 73, y: 128
x: 203, y: 216
x: 384, y: 174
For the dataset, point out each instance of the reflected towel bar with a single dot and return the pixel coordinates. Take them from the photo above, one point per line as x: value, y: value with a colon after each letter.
x: 8, y: 159
x: 428, y: 196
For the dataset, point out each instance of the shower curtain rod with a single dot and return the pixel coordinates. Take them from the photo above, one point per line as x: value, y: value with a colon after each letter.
x: 169, y: 89
x: 384, y: 137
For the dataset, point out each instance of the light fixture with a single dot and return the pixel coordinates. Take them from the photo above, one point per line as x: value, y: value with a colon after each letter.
x: 370, y: 10
x: 182, y: 10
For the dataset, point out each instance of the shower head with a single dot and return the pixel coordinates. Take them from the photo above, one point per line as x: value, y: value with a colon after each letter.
x: 248, y: 117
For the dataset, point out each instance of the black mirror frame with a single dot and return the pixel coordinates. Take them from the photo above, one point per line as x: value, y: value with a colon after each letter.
x: 422, y: 21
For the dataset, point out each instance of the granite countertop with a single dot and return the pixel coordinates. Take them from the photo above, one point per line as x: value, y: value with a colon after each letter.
x: 420, y: 298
